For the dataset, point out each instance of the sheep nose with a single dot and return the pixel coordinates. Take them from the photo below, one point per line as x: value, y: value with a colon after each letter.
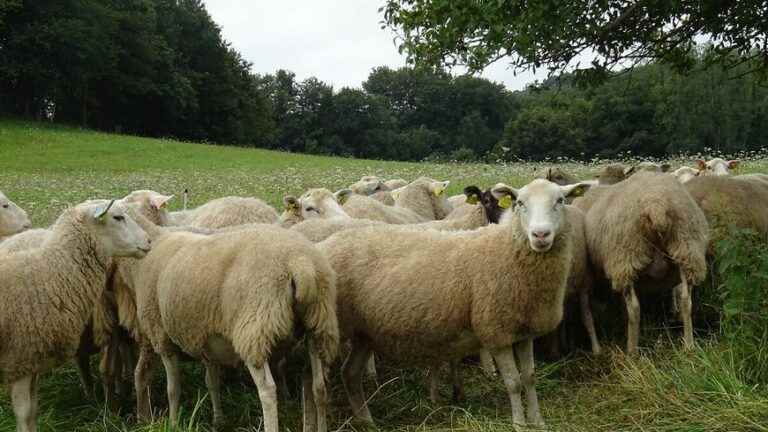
x: 542, y: 234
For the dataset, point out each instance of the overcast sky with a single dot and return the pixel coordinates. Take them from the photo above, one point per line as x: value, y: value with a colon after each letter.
x: 337, y: 41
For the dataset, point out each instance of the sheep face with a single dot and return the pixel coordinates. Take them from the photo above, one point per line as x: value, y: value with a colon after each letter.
x: 13, y: 219
x: 685, y: 174
x: 153, y: 205
x: 368, y: 185
x: 717, y: 166
x: 118, y: 233
x: 540, y: 207
x: 321, y: 203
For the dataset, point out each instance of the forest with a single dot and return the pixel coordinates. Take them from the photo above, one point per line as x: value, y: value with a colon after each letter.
x: 161, y: 68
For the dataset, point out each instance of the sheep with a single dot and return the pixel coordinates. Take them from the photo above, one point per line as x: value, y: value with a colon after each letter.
x: 738, y: 201
x: 456, y: 201
x: 29, y: 239
x: 368, y: 185
x: 716, y: 166
x: 393, y: 184
x: 317, y: 230
x: 384, y: 197
x: 50, y: 293
x: 685, y: 174
x: 227, y: 211
x: 13, y: 219
x: 420, y: 201
x: 231, y: 297
x: 641, y: 227
x: 558, y: 175
x: 397, y: 307
x: 152, y: 205
x: 473, y: 195
x: 315, y: 203
x: 612, y: 174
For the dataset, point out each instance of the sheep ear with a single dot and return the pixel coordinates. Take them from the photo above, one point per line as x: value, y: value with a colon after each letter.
x: 628, y: 171
x: 575, y: 190
x: 504, y: 194
x: 665, y: 167
x: 473, y: 194
x: 291, y: 203
x: 701, y: 164
x: 438, y: 188
x: 342, y: 195
x: 100, y: 213
x: 473, y: 199
x: 160, y: 201
x: 733, y: 164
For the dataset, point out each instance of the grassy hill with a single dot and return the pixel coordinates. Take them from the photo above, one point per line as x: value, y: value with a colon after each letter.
x: 44, y: 168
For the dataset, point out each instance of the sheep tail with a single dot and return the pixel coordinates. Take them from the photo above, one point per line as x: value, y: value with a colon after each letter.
x: 315, y: 294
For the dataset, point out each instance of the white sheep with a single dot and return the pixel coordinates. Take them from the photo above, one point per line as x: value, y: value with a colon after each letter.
x: 231, y: 297
x: 647, y: 225
x: 49, y: 295
x: 226, y: 211
x: 427, y: 296
x: 13, y: 219
x: 685, y: 174
x: 420, y: 201
x: 716, y: 166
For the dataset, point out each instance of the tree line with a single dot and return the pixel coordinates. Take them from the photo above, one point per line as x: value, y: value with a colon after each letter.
x: 162, y: 68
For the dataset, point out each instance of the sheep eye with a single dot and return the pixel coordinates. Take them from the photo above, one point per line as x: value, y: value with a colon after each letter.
x: 561, y: 200
x: 5, y: 206
x: 119, y: 218
x: 312, y: 209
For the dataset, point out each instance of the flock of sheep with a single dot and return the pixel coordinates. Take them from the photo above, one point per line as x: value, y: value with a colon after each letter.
x: 391, y: 268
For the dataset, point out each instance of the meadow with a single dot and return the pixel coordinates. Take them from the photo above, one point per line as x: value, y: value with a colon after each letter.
x: 45, y: 168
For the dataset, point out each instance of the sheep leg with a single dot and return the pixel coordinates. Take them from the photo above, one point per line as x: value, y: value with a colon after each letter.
x: 213, y: 382
x: 108, y: 368
x: 589, y: 321
x: 433, y: 382
x: 458, y: 387
x: 505, y: 360
x: 279, y: 366
x: 319, y: 389
x: 125, y: 365
x: 685, y: 311
x: 486, y: 363
x: 83, y: 365
x: 308, y: 407
x: 370, y: 369
x: 352, y: 376
x: 262, y: 376
x: 24, y: 405
x: 524, y: 351
x: 633, y: 319
x: 141, y: 382
x: 173, y: 385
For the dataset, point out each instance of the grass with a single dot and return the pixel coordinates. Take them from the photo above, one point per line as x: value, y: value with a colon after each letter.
x: 44, y: 168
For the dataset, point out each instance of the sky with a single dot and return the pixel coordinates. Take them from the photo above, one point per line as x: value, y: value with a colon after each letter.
x: 337, y: 41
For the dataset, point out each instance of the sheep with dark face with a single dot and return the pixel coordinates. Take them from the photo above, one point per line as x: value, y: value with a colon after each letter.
x: 473, y: 195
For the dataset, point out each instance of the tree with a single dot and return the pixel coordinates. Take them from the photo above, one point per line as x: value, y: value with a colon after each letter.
x: 554, y: 34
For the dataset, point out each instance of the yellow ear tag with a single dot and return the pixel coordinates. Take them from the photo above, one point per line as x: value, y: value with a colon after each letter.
x: 439, y: 191
x: 505, y: 201
x: 472, y: 199
x: 577, y: 191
